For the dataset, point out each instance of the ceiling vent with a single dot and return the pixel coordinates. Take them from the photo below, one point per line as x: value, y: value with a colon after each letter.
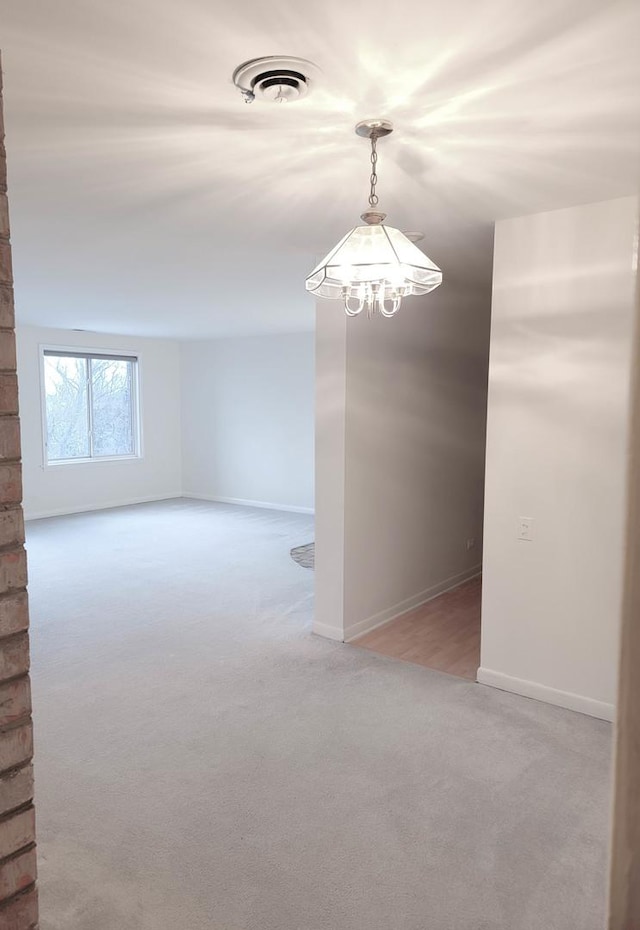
x: 275, y: 79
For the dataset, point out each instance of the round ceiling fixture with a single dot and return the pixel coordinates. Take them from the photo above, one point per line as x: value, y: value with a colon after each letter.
x: 275, y: 79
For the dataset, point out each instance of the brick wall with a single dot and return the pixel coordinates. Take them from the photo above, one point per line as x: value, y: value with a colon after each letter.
x: 18, y: 902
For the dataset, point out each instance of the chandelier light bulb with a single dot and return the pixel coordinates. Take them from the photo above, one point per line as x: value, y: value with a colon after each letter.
x: 374, y: 266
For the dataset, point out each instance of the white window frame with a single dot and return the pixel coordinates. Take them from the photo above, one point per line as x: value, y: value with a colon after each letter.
x: 136, y: 403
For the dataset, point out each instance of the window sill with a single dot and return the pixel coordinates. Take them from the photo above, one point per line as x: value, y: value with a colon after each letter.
x: 98, y: 460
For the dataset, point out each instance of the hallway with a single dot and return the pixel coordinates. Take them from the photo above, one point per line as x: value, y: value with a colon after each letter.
x: 443, y: 634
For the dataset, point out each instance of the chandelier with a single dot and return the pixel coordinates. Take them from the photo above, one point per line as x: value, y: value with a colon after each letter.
x: 374, y: 266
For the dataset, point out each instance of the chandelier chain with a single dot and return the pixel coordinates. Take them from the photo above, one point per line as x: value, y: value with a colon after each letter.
x: 373, y: 197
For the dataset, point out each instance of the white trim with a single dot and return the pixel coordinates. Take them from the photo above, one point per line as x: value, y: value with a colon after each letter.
x: 65, y: 511
x: 328, y: 632
x: 265, y: 505
x: 97, y: 460
x: 532, y: 689
x: 355, y: 630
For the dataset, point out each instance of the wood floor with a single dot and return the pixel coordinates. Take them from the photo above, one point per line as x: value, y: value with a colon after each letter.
x: 443, y: 634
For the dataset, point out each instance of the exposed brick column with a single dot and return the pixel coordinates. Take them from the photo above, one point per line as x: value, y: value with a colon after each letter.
x: 18, y: 901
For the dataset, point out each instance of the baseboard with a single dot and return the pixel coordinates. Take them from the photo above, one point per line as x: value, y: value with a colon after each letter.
x: 265, y: 505
x: 329, y: 632
x: 66, y: 511
x: 410, y: 603
x: 538, y: 692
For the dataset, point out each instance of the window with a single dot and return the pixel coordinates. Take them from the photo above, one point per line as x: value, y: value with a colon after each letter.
x: 90, y: 406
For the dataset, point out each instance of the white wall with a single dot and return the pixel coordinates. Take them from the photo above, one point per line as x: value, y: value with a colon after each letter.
x: 407, y: 398
x: 556, y: 445
x: 89, y: 486
x: 331, y: 386
x: 247, y: 419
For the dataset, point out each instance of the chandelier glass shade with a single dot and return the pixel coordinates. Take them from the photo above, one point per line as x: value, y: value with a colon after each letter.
x: 374, y: 266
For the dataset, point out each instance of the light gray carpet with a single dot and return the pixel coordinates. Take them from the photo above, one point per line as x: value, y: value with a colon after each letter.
x: 204, y: 763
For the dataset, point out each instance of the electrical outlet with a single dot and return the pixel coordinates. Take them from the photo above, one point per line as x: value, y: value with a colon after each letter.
x: 525, y: 528
x: 471, y: 543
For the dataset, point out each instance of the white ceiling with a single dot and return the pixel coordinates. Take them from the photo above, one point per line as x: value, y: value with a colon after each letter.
x: 147, y: 198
